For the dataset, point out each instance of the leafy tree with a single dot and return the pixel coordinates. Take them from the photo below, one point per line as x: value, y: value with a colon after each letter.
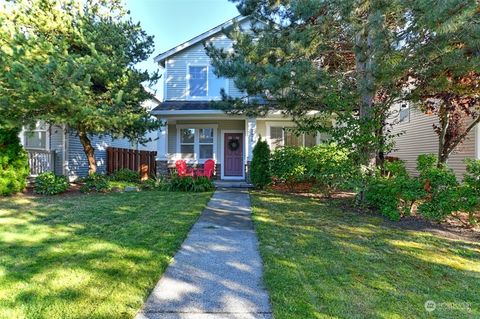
x: 444, y: 67
x: 260, y: 174
x: 335, y: 57
x: 73, y: 62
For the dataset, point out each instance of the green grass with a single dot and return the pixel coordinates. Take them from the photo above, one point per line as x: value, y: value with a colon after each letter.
x: 323, y: 261
x: 88, y: 256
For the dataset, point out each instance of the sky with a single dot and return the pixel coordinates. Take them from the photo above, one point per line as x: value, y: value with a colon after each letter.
x: 173, y: 22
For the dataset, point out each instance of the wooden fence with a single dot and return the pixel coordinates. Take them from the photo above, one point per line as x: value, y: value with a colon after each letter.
x: 40, y: 161
x: 140, y: 161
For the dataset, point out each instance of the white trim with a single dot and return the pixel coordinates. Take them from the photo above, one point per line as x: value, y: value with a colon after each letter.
x: 162, y: 143
x: 196, y: 142
x: 269, y: 124
x: 47, y: 131
x: 222, y: 146
x: 187, y: 79
x: 188, y: 112
x: 163, y: 56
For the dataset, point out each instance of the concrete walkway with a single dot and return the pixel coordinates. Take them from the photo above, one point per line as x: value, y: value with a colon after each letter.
x: 217, y: 273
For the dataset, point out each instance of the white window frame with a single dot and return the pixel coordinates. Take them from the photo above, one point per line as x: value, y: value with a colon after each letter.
x: 208, y: 96
x: 196, y: 143
x: 284, y: 125
x: 195, y: 97
x: 27, y: 130
x: 407, y: 119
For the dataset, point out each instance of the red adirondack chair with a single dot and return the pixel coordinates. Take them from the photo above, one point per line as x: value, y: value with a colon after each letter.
x: 183, y: 169
x: 208, y: 169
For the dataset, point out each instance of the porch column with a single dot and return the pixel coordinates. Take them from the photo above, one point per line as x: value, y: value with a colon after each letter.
x: 251, y: 137
x: 162, y: 143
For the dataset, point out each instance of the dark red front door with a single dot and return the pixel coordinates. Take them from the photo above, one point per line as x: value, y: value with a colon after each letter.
x: 233, y: 154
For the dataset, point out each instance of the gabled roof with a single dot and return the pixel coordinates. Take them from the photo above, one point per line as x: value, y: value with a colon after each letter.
x: 199, y: 38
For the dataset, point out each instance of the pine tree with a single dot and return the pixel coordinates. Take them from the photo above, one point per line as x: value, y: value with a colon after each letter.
x: 335, y: 57
x: 444, y: 68
x: 73, y: 62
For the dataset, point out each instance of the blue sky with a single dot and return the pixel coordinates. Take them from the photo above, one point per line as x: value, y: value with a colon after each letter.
x: 175, y: 21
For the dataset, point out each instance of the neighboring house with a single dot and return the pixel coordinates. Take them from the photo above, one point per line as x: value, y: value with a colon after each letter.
x: 194, y: 130
x: 57, y: 148
x: 419, y: 138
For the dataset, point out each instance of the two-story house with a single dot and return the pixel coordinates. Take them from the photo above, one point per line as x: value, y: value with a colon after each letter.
x: 194, y: 130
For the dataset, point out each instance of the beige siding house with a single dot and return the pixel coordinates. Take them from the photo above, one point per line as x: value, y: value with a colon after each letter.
x: 419, y: 138
x: 196, y: 132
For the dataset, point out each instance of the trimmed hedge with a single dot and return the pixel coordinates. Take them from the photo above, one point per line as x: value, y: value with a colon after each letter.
x: 260, y: 175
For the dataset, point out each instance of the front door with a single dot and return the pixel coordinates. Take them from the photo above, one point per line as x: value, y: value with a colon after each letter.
x: 233, y: 154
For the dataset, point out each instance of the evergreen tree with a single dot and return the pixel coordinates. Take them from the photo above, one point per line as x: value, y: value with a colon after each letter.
x: 444, y: 68
x: 335, y: 57
x: 73, y: 62
x: 260, y: 174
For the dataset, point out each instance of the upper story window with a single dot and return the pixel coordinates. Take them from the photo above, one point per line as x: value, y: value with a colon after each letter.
x: 197, y: 80
x: 36, y: 137
x: 202, y: 82
x: 404, y: 113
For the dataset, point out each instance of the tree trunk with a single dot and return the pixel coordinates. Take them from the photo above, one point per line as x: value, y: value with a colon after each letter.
x: 89, y: 151
x: 365, y: 81
x: 442, y: 143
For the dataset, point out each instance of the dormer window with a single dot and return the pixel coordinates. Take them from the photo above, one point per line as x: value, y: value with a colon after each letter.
x: 197, y: 80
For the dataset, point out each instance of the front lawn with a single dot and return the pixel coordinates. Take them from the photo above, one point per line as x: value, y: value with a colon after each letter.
x: 324, y: 261
x: 88, y: 256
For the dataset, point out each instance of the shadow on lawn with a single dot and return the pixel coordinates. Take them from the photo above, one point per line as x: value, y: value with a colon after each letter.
x: 338, y: 263
x: 88, y: 256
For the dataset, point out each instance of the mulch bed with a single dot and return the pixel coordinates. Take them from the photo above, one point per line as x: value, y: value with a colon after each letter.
x: 73, y: 190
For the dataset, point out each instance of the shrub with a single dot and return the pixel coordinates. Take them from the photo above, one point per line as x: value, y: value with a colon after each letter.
x: 289, y: 165
x: 441, y: 186
x: 50, y: 184
x: 159, y: 183
x: 126, y: 175
x: 329, y: 165
x: 394, y: 193
x: 95, y: 183
x: 190, y: 184
x: 326, y: 164
x: 260, y: 165
x: 14, y: 168
x: 469, y: 192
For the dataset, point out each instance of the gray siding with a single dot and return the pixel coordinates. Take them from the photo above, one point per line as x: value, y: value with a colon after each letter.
x: 176, y: 69
x: 419, y: 138
x: 77, y: 164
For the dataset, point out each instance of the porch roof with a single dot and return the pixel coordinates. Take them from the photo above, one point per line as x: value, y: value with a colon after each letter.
x: 183, y: 106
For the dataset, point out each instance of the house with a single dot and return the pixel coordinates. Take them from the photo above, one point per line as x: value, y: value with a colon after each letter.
x: 57, y: 148
x: 418, y: 137
x: 194, y: 130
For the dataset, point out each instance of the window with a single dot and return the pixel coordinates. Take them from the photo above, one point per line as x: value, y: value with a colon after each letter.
x: 203, y: 82
x: 187, y: 143
x: 404, y: 113
x: 284, y: 136
x: 206, y: 143
x: 36, y: 137
x: 197, y: 143
x: 197, y: 80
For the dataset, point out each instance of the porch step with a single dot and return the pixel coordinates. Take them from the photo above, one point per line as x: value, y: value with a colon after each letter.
x: 232, y: 184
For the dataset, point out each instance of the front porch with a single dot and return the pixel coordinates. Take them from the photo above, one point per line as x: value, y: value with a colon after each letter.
x: 228, y: 140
